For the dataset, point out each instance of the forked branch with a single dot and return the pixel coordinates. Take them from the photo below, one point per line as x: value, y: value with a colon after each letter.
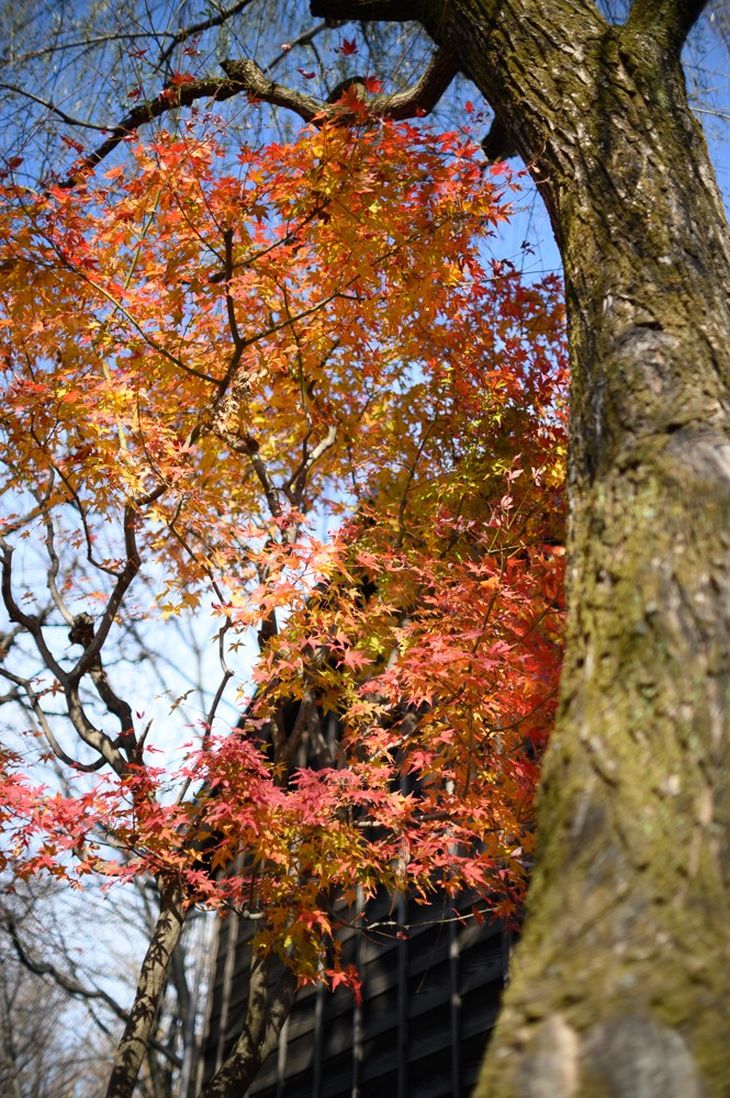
x: 421, y: 98
x: 246, y: 77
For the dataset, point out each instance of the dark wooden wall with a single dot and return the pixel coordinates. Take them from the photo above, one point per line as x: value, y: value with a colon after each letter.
x: 429, y: 1003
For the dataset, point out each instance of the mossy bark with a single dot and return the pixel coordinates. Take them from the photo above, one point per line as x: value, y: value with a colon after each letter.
x: 621, y: 984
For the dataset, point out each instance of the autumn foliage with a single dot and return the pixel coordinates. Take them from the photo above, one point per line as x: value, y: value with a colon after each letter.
x: 208, y: 359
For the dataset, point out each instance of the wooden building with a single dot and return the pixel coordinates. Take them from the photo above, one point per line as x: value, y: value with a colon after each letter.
x: 430, y: 999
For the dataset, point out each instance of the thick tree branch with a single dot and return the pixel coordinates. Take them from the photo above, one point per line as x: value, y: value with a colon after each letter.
x: 418, y: 99
x: 82, y: 633
x: 172, y: 96
x: 124, y: 579
x: 92, y: 735
x: 242, y: 77
x: 246, y: 77
x: 151, y: 984
x: 498, y: 143
x: 423, y: 96
x: 266, y: 1012
x: 669, y: 22
x: 252, y: 79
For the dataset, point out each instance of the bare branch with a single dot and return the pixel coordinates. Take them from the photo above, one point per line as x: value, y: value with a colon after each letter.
x: 249, y: 76
x: 6, y: 640
x: 45, y: 727
x: 423, y: 95
x: 204, y: 25
x: 52, y: 576
x: 79, y: 44
x: 304, y: 39
x: 30, y: 622
x: 70, y: 985
x: 67, y: 983
x: 297, y: 482
x: 33, y: 624
x: 91, y: 735
x: 171, y: 96
x: 227, y: 675
x: 250, y: 447
x: 18, y: 524
x: 210, y: 715
x: 76, y: 501
x: 130, y: 570
x: 49, y: 106
x: 383, y: 11
x: 128, y: 316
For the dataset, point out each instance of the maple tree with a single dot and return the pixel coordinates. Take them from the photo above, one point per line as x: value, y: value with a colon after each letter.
x: 204, y: 356
x: 622, y: 970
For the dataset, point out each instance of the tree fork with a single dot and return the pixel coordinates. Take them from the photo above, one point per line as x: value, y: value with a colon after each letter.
x: 267, y: 1010
x: 621, y: 982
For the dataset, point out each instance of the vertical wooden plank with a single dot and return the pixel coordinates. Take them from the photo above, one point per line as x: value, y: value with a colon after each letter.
x: 200, y: 939
x: 227, y: 990
x: 507, y: 941
x: 402, y: 916
x: 281, y: 1060
x: 357, y: 1019
x: 455, y: 1009
x: 213, y: 969
x: 318, y: 1042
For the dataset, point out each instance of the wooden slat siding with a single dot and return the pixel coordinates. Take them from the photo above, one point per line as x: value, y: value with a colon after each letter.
x: 215, y: 970
x: 426, y: 1042
x: 357, y: 1013
x: 402, y: 1004
x: 317, y: 1048
x: 454, y: 989
x: 227, y: 988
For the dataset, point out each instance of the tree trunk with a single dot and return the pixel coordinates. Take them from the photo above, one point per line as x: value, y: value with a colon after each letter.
x: 267, y: 1009
x: 621, y: 983
x: 622, y: 980
x: 150, y: 987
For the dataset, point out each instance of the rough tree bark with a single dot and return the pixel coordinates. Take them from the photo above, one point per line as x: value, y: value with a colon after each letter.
x: 268, y: 1007
x: 621, y: 983
x: 137, y: 1035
